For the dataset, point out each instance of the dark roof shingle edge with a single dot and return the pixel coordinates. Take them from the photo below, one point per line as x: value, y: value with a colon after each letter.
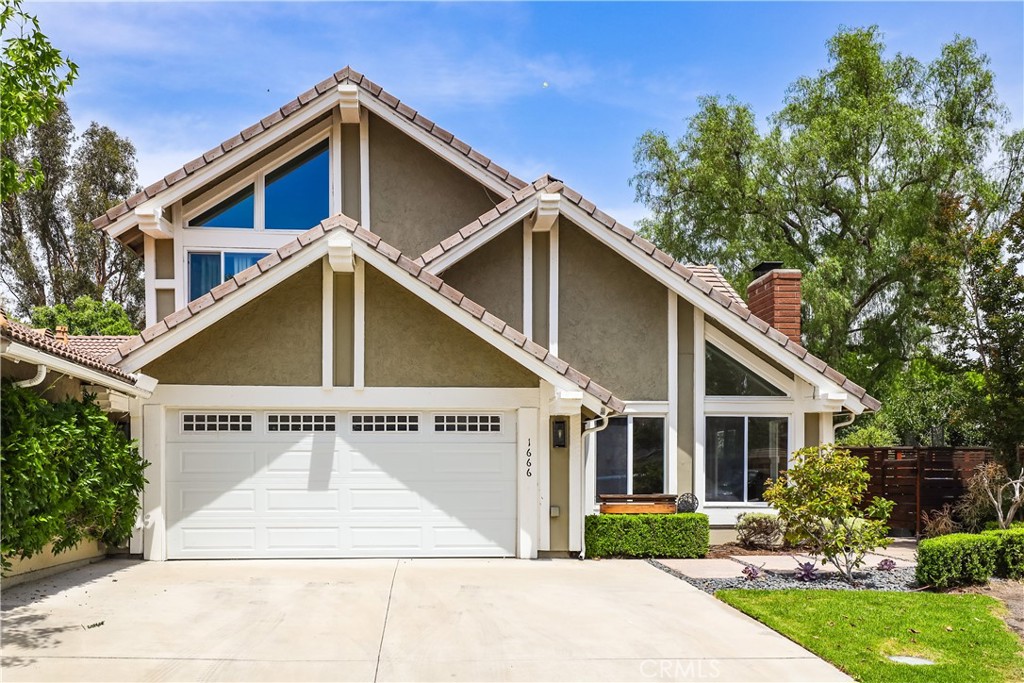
x: 345, y: 75
x: 318, y: 233
x: 705, y: 278
x: 18, y: 332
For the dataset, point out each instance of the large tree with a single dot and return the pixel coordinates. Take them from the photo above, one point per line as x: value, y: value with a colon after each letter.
x: 845, y: 183
x: 34, y: 76
x: 51, y: 254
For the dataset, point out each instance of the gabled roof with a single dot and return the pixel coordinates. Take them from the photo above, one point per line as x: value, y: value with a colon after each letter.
x: 18, y: 332
x: 704, y: 279
x: 97, y: 346
x: 368, y: 245
x: 234, y: 145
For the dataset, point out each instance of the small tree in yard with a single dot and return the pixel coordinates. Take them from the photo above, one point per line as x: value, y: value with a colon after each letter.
x: 993, y: 490
x: 820, y: 500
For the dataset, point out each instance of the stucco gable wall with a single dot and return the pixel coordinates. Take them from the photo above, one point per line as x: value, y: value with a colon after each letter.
x: 274, y: 340
x: 612, y: 318
x: 416, y: 198
x: 411, y: 344
x: 492, y: 276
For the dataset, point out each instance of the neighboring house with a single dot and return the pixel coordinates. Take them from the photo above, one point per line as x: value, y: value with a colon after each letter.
x: 454, y: 362
x: 61, y: 366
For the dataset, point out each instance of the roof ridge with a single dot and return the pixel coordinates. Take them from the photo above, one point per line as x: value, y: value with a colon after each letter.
x: 725, y: 296
x: 316, y: 234
x: 343, y: 75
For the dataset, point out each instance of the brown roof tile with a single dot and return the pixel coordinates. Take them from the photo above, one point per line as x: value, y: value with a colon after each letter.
x: 81, y: 350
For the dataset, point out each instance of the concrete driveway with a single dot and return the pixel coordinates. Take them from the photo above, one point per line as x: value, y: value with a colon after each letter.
x: 386, y: 620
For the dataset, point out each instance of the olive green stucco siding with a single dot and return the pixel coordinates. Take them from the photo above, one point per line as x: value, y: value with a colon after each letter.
x: 684, y: 416
x: 274, y: 340
x: 541, y: 282
x: 559, y: 495
x: 344, y: 317
x: 811, y: 422
x: 612, y: 318
x: 350, y: 195
x: 411, y: 344
x: 416, y: 198
x: 492, y: 276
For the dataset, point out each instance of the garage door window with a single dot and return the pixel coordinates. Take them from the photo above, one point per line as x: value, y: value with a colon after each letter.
x: 300, y: 422
x: 385, y: 423
x: 467, y: 423
x: 216, y: 422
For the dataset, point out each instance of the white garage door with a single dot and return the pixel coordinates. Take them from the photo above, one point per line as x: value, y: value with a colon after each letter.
x: 362, y: 484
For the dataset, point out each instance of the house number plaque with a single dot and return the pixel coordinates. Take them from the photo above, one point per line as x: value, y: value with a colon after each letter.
x: 529, y: 462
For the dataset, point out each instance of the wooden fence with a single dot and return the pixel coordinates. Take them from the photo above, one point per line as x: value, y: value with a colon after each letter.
x: 919, y: 479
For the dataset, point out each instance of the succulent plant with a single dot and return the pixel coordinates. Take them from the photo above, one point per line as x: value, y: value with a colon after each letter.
x: 750, y: 572
x: 806, y: 571
x: 886, y: 565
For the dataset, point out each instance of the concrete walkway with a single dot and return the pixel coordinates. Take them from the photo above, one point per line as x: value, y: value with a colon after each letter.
x: 378, y: 620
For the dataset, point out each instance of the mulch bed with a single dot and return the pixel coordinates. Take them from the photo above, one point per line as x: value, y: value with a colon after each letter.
x: 726, y: 550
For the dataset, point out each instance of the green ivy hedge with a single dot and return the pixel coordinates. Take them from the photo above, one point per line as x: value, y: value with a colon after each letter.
x: 957, y: 559
x: 679, y: 535
x: 66, y: 473
x: 1010, y: 555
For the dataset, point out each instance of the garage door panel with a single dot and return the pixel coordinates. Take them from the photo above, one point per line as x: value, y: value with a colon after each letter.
x: 215, y: 500
x: 301, y: 500
x: 383, y: 540
x: 297, y: 460
x: 306, y: 538
x: 218, y: 459
x: 222, y: 538
x: 457, y: 540
x: 384, y: 500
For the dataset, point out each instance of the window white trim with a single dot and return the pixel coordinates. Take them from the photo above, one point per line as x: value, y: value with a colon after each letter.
x: 187, y: 274
x: 629, y: 450
x: 257, y: 178
x: 790, y: 447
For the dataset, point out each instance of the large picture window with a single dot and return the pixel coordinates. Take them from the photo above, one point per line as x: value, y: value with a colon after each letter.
x: 631, y: 456
x: 206, y: 270
x: 742, y: 453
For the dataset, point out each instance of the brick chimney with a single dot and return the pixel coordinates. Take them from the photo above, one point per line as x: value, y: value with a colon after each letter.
x: 61, y: 334
x: 774, y: 297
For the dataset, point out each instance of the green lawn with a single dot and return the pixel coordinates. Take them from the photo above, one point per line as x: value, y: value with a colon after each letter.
x: 856, y: 630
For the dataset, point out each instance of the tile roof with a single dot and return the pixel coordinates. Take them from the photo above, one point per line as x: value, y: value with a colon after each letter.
x: 97, y: 346
x: 707, y: 279
x: 23, y: 334
x: 456, y: 298
x: 346, y: 75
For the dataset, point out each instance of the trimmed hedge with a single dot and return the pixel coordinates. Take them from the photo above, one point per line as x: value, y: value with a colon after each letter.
x: 680, y: 535
x: 1010, y: 555
x: 957, y: 559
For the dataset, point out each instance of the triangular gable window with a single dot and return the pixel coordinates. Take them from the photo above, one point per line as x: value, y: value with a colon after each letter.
x: 297, y: 195
x: 234, y: 212
x: 725, y: 376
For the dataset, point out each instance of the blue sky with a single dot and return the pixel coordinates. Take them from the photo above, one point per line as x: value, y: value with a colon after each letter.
x: 179, y: 78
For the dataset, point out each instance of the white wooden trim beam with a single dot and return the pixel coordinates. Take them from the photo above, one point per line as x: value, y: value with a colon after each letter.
x: 545, y: 215
x: 339, y: 253
x: 672, y: 422
x: 527, y: 439
x: 342, y: 398
x: 359, y: 327
x: 467, y: 247
x: 698, y: 405
x: 543, y: 452
x: 335, y: 156
x: 153, y: 223
x: 17, y: 352
x: 154, y: 523
x: 364, y: 169
x: 553, y: 291
x: 348, y: 102
x: 327, y: 323
x: 527, y: 282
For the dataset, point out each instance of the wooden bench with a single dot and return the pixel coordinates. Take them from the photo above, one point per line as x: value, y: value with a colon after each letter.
x: 638, y: 504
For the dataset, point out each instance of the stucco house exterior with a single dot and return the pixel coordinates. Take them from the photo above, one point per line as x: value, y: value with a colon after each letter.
x: 373, y: 341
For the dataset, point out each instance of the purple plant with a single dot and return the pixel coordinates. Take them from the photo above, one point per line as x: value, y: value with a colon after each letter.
x: 886, y: 565
x: 751, y: 573
x: 806, y: 571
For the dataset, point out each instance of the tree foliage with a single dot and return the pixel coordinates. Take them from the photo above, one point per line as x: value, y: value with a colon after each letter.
x: 67, y: 473
x: 844, y: 183
x: 85, y: 316
x: 51, y: 254
x: 34, y: 76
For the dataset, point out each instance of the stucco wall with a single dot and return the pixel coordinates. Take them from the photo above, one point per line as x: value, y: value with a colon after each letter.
x: 685, y: 427
x: 416, y: 198
x: 350, y: 171
x: 541, y: 285
x: 274, y: 340
x: 165, y: 303
x: 45, y: 563
x: 559, y: 484
x: 493, y: 276
x: 811, y: 429
x: 409, y: 343
x: 612, y: 318
x: 163, y: 251
x: 344, y: 342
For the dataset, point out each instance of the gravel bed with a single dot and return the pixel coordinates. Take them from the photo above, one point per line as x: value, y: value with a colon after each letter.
x: 868, y: 578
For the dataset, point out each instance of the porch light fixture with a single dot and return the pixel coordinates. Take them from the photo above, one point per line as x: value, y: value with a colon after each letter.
x: 558, y: 434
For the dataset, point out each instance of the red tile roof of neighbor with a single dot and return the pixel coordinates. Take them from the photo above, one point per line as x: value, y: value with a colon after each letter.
x: 346, y: 75
x: 456, y: 298
x: 19, y: 332
x: 98, y: 346
x: 707, y: 279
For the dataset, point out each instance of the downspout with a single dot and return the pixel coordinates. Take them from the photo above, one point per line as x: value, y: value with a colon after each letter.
x: 603, y: 417
x: 847, y: 423
x: 38, y: 379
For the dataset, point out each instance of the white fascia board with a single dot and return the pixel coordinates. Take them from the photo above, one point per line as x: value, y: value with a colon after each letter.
x: 470, y: 322
x: 238, y: 157
x: 479, y: 239
x: 233, y: 301
x: 27, y: 354
x: 438, y: 147
x: 705, y: 304
x: 314, y: 397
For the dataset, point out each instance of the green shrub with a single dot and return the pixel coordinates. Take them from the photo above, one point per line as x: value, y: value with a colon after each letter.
x: 681, y: 535
x: 956, y: 559
x: 1010, y: 558
x: 66, y: 473
x: 758, y: 529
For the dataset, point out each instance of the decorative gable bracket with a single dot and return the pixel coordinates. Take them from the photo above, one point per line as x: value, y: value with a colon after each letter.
x: 565, y: 402
x: 546, y: 214
x: 340, y: 255
x: 153, y: 223
x: 348, y: 103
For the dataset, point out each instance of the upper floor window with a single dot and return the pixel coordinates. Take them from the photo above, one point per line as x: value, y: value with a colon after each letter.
x: 293, y: 196
x: 207, y: 269
x: 725, y: 376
